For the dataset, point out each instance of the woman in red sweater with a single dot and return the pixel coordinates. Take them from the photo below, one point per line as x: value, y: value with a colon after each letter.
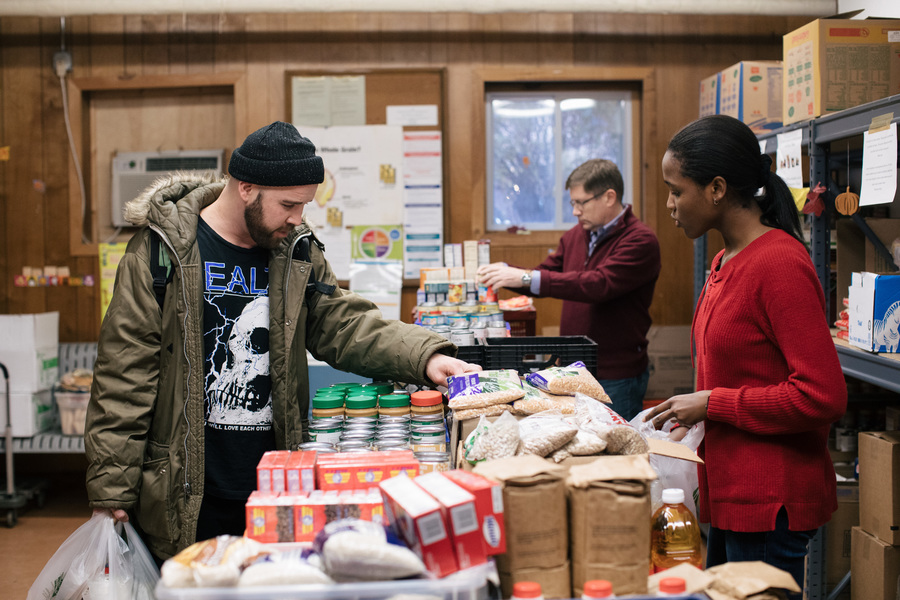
x: 768, y: 377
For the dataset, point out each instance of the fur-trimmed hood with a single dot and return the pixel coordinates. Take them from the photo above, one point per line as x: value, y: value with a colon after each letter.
x: 157, y: 203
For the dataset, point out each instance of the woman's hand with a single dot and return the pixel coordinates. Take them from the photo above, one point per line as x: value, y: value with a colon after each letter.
x: 686, y: 409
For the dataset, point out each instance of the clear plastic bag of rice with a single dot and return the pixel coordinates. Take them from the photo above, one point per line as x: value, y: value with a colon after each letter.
x: 585, y: 443
x: 484, y: 388
x: 536, y: 400
x: 489, y: 441
x: 567, y: 381
x: 545, y: 432
x: 620, y: 436
x: 281, y: 568
x: 483, y: 411
x: 356, y: 550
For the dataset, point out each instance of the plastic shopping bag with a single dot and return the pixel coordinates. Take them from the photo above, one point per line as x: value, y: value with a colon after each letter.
x: 96, y: 562
x: 672, y: 472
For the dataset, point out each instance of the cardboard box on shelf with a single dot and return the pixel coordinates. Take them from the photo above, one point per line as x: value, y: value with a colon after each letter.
x: 750, y: 91
x: 29, y: 347
x: 874, y: 317
x: 838, y: 533
x: 30, y: 413
x: 709, y: 95
x: 609, y: 505
x: 879, y: 484
x: 556, y: 582
x: 856, y: 253
x: 837, y: 63
x: 669, y: 351
x: 458, y: 508
x: 891, y: 418
x: 535, y: 515
x: 875, y: 565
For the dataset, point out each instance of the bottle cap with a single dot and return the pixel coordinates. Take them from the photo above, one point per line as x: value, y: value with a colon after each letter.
x: 598, y: 588
x: 426, y: 398
x: 393, y: 400
x: 672, y: 585
x: 360, y: 402
x: 673, y: 496
x: 326, y: 402
x: 527, y: 589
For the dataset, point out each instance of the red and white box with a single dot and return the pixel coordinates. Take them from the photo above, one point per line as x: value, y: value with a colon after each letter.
x: 300, y: 471
x: 270, y: 517
x: 359, y: 471
x: 488, y: 505
x: 417, y: 519
x: 458, y: 507
x: 270, y: 471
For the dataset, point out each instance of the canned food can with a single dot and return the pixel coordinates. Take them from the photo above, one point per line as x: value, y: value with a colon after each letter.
x: 327, y: 433
x: 428, y: 437
x: 366, y: 436
x: 387, y: 445
x: 442, y: 330
x: 496, y: 329
x: 401, y: 420
x: 315, y: 446
x: 357, y: 420
x: 432, y: 461
x: 345, y: 445
x: 462, y: 337
x: 425, y: 420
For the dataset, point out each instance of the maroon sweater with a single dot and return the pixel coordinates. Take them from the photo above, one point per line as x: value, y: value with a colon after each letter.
x: 764, y: 349
x: 607, y: 296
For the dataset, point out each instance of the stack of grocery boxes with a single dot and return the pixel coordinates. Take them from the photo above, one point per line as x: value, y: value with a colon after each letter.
x: 749, y: 91
x: 29, y: 348
x: 875, y: 563
x: 453, y: 520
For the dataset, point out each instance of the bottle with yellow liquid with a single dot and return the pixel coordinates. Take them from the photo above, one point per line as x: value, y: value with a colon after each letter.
x: 674, y: 534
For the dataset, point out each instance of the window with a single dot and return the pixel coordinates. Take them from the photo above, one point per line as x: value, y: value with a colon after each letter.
x: 535, y: 139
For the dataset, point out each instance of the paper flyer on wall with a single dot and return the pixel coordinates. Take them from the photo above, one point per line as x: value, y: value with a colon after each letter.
x: 879, y: 170
x: 423, y: 216
x: 110, y: 255
x: 363, y: 174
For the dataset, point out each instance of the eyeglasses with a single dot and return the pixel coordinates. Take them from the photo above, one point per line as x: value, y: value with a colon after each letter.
x: 580, y: 203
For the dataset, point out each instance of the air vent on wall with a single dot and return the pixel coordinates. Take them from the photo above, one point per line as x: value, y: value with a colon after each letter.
x: 133, y: 172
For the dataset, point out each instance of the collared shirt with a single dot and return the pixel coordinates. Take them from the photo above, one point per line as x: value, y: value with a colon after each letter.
x: 596, y: 236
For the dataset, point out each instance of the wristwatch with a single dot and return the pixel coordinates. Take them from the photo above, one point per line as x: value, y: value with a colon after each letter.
x: 526, y: 279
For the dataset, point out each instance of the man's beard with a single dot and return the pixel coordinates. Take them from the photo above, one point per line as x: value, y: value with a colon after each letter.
x: 253, y: 217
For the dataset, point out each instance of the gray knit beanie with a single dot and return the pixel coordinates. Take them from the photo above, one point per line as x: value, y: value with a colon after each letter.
x: 277, y: 156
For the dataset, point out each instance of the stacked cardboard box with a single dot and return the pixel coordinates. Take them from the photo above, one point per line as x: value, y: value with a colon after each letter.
x: 875, y: 554
x: 29, y: 348
x: 749, y: 91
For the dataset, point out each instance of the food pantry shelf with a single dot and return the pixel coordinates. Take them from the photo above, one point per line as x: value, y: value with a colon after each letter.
x: 47, y: 443
x: 881, y: 369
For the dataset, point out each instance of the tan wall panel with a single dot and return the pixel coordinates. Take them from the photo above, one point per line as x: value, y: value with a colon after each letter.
x: 260, y: 48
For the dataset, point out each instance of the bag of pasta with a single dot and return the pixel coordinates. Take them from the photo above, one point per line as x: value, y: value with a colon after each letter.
x: 568, y: 381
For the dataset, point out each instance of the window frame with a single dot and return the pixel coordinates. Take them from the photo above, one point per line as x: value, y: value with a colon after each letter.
x: 560, y: 194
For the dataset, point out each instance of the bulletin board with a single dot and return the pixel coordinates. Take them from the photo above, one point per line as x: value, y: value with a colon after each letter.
x: 405, y: 92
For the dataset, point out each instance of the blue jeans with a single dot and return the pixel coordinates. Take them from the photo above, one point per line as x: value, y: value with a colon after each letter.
x: 781, y: 548
x: 627, y: 395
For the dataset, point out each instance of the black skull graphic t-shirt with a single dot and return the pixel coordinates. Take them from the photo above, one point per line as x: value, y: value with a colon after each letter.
x: 238, y: 401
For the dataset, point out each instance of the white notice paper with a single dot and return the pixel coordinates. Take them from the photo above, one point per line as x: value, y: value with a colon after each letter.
x: 337, y: 248
x: 788, y: 158
x: 425, y: 115
x: 423, y: 215
x: 324, y: 101
x: 879, y: 169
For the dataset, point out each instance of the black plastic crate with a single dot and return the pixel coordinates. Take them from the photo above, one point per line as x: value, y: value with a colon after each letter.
x: 471, y: 354
x: 527, y: 354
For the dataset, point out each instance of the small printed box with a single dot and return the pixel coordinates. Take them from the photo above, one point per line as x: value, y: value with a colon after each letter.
x: 270, y: 517
x: 416, y: 518
x: 874, y: 312
x: 488, y: 506
x: 300, y: 471
x: 29, y: 347
x: 750, y: 91
x: 343, y: 471
x: 319, y: 508
x: 270, y: 472
x: 709, y: 95
x: 458, y: 508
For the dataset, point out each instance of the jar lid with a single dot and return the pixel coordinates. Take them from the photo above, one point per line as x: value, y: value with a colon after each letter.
x: 527, y: 589
x: 426, y: 398
x: 672, y: 585
x: 360, y: 402
x: 327, y: 402
x: 598, y: 588
x: 349, y: 385
x: 393, y: 401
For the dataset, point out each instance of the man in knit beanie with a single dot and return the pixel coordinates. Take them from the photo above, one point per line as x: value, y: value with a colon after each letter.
x: 198, y: 376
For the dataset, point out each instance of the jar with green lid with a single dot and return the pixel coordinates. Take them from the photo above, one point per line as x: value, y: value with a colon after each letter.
x: 380, y: 387
x: 428, y: 438
x: 426, y: 402
x: 327, y: 406
x: 360, y: 406
x: 393, y: 405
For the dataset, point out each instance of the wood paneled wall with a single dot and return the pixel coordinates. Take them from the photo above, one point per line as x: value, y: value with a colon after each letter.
x: 259, y: 48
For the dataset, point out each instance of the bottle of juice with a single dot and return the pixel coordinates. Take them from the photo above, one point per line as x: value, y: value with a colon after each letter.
x: 674, y: 534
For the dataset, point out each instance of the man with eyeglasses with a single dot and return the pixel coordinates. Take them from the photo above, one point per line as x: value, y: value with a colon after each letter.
x: 604, y: 270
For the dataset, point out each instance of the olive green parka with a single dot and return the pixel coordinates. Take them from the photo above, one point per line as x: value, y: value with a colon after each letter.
x: 144, y: 435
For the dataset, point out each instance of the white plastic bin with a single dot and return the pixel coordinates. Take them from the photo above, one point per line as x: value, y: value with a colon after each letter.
x: 72, y: 411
